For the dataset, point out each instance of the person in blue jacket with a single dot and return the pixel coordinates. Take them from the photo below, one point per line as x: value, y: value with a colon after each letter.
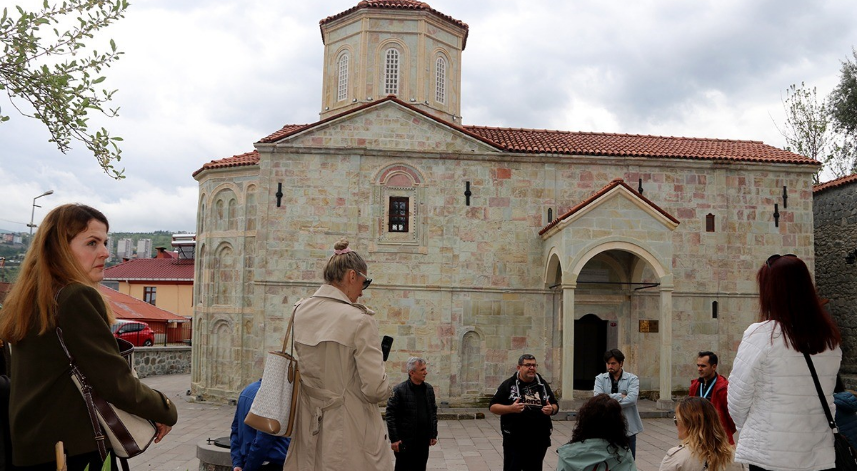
x: 625, y: 388
x: 846, y: 412
x: 253, y: 450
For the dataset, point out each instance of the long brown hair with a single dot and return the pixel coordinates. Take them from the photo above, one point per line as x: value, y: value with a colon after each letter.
x: 787, y: 295
x: 48, y: 266
x: 706, y: 438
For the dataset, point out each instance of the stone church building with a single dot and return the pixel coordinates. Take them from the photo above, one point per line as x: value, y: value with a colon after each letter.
x: 485, y: 243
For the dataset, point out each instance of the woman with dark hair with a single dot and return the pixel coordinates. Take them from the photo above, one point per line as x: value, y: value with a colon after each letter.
x: 598, y: 438
x: 58, y: 287
x: 772, y: 397
x: 343, y: 379
x: 704, y: 442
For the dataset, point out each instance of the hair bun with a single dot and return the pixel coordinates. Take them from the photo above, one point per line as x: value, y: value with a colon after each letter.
x: 341, y: 245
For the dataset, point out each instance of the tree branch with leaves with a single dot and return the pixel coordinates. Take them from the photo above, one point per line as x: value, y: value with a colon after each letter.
x: 46, y: 63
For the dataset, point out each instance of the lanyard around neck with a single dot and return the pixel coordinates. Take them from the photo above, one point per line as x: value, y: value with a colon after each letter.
x: 707, y: 393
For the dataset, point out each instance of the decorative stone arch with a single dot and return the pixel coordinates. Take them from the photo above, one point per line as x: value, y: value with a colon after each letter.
x: 201, y: 214
x: 221, y: 352
x: 251, y: 207
x: 636, y: 247
x: 394, y: 175
x: 472, y: 363
x: 225, y: 274
x: 646, y: 255
x: 201, y: 280
x: 437, y: 54
x: 343, y: 50
x: 404, y: 59
x: 552, y: 267
x: 236, y: 190
x: 224, y: 201
x: 398, y: 187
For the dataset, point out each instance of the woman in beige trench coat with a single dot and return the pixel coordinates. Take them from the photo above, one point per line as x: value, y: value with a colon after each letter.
x: 338, y: 349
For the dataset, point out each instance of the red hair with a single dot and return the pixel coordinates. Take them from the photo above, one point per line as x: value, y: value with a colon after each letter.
x: 787, y: 296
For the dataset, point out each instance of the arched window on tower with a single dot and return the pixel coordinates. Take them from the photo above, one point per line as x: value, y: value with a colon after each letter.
x: 391, y: 72
x: 440, y: 80
x: 342, y: 87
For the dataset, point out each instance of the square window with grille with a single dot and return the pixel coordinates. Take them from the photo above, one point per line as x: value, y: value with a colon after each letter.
x: 398, y: 214
x: 150, y: 294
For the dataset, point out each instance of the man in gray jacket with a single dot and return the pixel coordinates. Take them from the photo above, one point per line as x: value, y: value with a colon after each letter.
x: 624, y: 387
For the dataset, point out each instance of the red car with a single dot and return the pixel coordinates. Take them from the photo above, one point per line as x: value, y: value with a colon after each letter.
x: 138, y: 333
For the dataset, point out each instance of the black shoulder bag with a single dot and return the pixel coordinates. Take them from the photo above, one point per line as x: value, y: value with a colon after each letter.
x: 846, y: 457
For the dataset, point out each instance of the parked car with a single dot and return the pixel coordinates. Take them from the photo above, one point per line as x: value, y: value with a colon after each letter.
x: 138, y: 333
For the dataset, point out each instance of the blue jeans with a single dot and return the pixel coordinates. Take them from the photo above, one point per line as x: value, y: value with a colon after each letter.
x: 632, y: 444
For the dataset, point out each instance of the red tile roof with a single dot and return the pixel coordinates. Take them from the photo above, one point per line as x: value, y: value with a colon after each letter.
x: 399, y: 5
x: 835, y: 183
x: 240, y: 160
x: 130, y: 308
x: 541, y: 141
x: 613, y: 184
x: 154, y: 269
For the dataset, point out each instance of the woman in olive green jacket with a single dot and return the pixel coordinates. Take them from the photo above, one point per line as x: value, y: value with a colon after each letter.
x: 57, y: 286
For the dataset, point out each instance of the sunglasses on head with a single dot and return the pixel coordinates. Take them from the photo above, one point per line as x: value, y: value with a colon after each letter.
x: 366, y: 280
x: 773, y: 258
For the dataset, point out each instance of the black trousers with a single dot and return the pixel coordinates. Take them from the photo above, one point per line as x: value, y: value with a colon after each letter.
x: 413, y: 457
x: 523, y: 457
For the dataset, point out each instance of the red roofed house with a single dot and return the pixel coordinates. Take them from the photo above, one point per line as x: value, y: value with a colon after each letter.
x: 167, y: 326
x: 486, y: 243
x: 163, y: 282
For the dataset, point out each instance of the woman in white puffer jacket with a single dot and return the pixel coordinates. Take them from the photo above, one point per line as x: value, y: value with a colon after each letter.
x: 772, y: 397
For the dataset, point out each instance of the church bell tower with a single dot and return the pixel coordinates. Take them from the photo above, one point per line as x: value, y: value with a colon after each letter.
x: 393, y: 47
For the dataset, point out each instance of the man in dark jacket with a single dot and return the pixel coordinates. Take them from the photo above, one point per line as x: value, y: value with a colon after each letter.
x: 525, y: 403
x: 412, y: 418
x: 713, y: 386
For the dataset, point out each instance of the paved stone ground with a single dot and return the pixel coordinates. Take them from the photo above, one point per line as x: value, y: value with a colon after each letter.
x: 463, y: 445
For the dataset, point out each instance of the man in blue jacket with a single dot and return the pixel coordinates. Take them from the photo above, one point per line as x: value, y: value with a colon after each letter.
x: 625, y: 388
x: 253, y: 450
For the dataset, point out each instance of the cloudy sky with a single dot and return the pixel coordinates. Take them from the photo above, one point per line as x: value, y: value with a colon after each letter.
x: 204, y: 80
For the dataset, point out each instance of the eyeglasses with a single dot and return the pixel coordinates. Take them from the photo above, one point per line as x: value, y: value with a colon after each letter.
x: 773, y: 258
x: 530, y: 365
x: 366, y: 280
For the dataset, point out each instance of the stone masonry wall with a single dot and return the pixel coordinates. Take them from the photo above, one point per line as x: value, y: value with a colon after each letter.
x: 472, y: 292
x: 835, y: 235
x: 150, y: 361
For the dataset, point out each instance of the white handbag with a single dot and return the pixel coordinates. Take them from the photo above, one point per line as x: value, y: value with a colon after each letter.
x: 275, y: 406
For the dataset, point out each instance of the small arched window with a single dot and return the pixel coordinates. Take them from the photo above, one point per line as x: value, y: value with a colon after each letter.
x: 391, y: 72
x: 440, y: 80
x: 342, y: 87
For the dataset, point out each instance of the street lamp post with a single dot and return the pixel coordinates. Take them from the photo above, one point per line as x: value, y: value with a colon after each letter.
x: 33, y: 213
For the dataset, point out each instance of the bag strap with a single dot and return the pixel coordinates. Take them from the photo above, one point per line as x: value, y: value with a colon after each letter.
x: 290, y: 330
x: 97, y: 405
x: 86, y: 389
x: 824, y: 405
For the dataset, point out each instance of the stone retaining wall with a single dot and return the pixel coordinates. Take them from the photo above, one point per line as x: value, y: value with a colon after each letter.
x: 835, y: 212
x: 151, y: 361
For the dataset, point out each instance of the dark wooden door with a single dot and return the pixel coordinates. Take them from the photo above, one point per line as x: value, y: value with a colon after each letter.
x: 590, y: 343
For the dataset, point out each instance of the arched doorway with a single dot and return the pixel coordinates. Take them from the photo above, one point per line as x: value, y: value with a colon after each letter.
x: 590, y: 343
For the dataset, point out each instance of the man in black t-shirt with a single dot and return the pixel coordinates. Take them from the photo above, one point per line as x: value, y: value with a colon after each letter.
x: 525, y: 403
